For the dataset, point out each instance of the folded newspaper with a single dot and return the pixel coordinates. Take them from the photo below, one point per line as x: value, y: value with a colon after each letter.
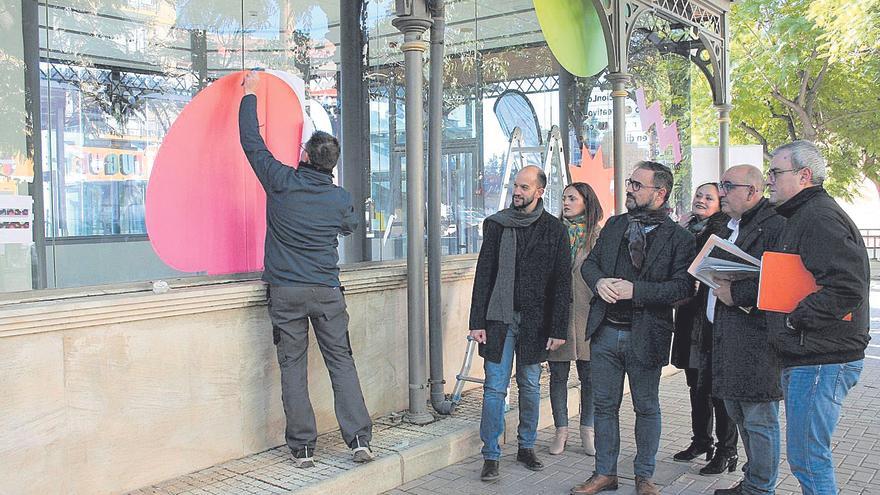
x: 706, y: 266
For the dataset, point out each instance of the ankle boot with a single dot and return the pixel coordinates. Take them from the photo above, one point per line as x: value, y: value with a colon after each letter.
x: 693, y: 451
x: 558, y: 444
x: 720, y: 463
x: 588, y: 440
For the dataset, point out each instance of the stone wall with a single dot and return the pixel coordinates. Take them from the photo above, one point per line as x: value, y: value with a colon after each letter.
x: 107, y: 393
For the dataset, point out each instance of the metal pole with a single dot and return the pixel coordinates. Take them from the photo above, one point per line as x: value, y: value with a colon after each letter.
x: 619, y: 95
x: 566, y: 81
x: 435, y: 144
x: 30, y: 17
x: 413, y: 48
x: 355, y: 161
x: 723, y: 138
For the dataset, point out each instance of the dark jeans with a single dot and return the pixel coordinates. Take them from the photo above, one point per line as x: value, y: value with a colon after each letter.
x: 704, y: 409
x: 610, y: 362
x: 291, y: 309
x: 559, y: 371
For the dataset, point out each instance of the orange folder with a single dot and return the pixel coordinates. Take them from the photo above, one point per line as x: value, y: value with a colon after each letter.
x: 784, y: 282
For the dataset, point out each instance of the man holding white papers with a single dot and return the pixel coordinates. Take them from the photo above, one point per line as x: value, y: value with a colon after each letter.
x: 638, y: 270
x: 822, y: 342
x: 745, y: 370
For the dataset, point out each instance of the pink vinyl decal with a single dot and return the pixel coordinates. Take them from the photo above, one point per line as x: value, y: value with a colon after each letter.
x: 666, y: 135
x: 205, y: 208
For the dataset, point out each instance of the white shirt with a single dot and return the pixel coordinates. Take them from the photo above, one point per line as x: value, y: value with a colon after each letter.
x: 733, y: 225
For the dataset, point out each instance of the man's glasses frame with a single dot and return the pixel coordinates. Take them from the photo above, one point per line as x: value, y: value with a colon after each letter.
x: 774, y: 172
x: 636, y: 185
x: 727, y: 186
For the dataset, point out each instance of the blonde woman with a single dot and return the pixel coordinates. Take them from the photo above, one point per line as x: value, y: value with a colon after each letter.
x: 581, y: 213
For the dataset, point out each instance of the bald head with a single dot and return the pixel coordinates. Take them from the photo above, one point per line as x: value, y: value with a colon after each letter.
x: 740, y: 189
x: 528, y: 187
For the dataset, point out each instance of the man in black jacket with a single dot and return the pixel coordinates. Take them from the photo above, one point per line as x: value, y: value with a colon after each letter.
x: 821, y: 344
x: 637, y: 269
x: 745, y: 370
x: 520, y: 305
x: 305, y: 212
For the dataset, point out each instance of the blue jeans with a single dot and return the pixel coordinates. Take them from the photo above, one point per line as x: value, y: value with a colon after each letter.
x: 609, y: 356
x: 813, y: 398
x: 758, y: 424
x: 559, y: 371
x: 528, y: 378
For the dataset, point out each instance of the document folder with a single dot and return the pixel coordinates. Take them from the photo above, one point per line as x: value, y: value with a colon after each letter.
x: 784, y: 282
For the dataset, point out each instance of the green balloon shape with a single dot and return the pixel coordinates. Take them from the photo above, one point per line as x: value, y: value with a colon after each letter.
x: 574, y: 35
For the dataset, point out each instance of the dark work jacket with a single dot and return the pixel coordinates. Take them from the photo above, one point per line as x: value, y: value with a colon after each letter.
x: 662, y: 281
x: 744, y: 366
x: 833, y: 250
x: 305, y: 212
x: 688, y: 342
x: 542, y: 293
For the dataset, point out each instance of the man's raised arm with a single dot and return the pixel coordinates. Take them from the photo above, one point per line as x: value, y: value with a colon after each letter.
x: 266, y: 167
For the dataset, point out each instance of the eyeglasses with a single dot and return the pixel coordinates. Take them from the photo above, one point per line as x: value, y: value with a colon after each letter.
x: 636, y: 185
x: 774, y: 172
x: 726, y: 186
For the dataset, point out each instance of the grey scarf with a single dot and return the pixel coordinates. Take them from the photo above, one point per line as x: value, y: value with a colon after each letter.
x: 501, y: 301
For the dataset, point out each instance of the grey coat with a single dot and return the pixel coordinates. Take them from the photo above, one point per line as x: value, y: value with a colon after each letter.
x: 662, y: 281
x: 744, y: 366
x: 577, y: 345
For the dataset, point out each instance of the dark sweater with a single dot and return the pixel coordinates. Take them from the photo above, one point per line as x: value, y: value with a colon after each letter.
x: 305, y: 212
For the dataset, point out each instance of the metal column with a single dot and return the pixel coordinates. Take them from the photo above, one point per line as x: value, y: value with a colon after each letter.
x: 355, y: 124
x: 412, y: 21
x: 619, y: 95
x: 723, y: 138
x: 435, y: 145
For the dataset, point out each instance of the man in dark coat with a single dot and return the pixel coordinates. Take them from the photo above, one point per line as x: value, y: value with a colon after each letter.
x: 638, y: 270
x: 745, y: 370
x: 822, y: 342
x: 520, y: 305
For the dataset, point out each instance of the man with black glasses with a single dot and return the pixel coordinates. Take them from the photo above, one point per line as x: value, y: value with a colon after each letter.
x: 637, y: 269
x: 745, y: 370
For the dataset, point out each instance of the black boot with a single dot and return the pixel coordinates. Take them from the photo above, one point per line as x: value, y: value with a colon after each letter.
x: 693, y: 451
x: 734, y: 490
x: 490, y: 471
x: 527, y: 458
x: 720, y: 463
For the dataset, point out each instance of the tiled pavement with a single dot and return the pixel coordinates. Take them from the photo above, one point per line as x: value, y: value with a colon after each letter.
x: 856, y: 449
x: 403, y: 449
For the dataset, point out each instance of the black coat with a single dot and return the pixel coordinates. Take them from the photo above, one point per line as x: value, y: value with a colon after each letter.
x: 831, y: 324
x: 543, y: 291
x: 744, y: 366
x: 662, y: 281
x: 688, y: 340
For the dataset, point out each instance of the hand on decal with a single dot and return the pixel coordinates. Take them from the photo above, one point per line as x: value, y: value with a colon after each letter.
x: 251, y: 80
x: 553, y: 344
x: 479, y: 336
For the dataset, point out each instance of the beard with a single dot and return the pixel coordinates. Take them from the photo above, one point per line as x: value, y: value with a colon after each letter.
x: 526, y: 201
x: 632, y: 205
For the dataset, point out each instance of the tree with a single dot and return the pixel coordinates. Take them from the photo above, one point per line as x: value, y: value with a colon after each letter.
x: 809, y: 69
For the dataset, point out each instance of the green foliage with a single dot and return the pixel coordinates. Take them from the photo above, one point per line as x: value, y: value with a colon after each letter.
x: 809, y: 69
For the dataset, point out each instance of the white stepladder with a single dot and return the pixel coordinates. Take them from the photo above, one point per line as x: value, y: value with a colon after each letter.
x: 552, y: 149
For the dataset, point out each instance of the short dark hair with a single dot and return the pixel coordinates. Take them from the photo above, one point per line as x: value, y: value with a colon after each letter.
x: 323, y: 150
x: 662, y: 175
x: 592, y: 208
x: 542, y: 178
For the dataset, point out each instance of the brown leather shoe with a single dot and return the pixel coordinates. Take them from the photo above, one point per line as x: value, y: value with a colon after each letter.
x: 644, y: 486
x: 597, y: 483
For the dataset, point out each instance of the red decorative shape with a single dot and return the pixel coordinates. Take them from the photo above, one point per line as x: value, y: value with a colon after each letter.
x: 205, y: 209
x: 593, y: 172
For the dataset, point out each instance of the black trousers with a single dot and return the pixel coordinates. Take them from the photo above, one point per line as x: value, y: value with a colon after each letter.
x: 704, y: 409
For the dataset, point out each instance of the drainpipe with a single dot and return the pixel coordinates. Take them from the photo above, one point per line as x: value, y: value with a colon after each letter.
x: 413, y: 20
x: 435, y: 143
